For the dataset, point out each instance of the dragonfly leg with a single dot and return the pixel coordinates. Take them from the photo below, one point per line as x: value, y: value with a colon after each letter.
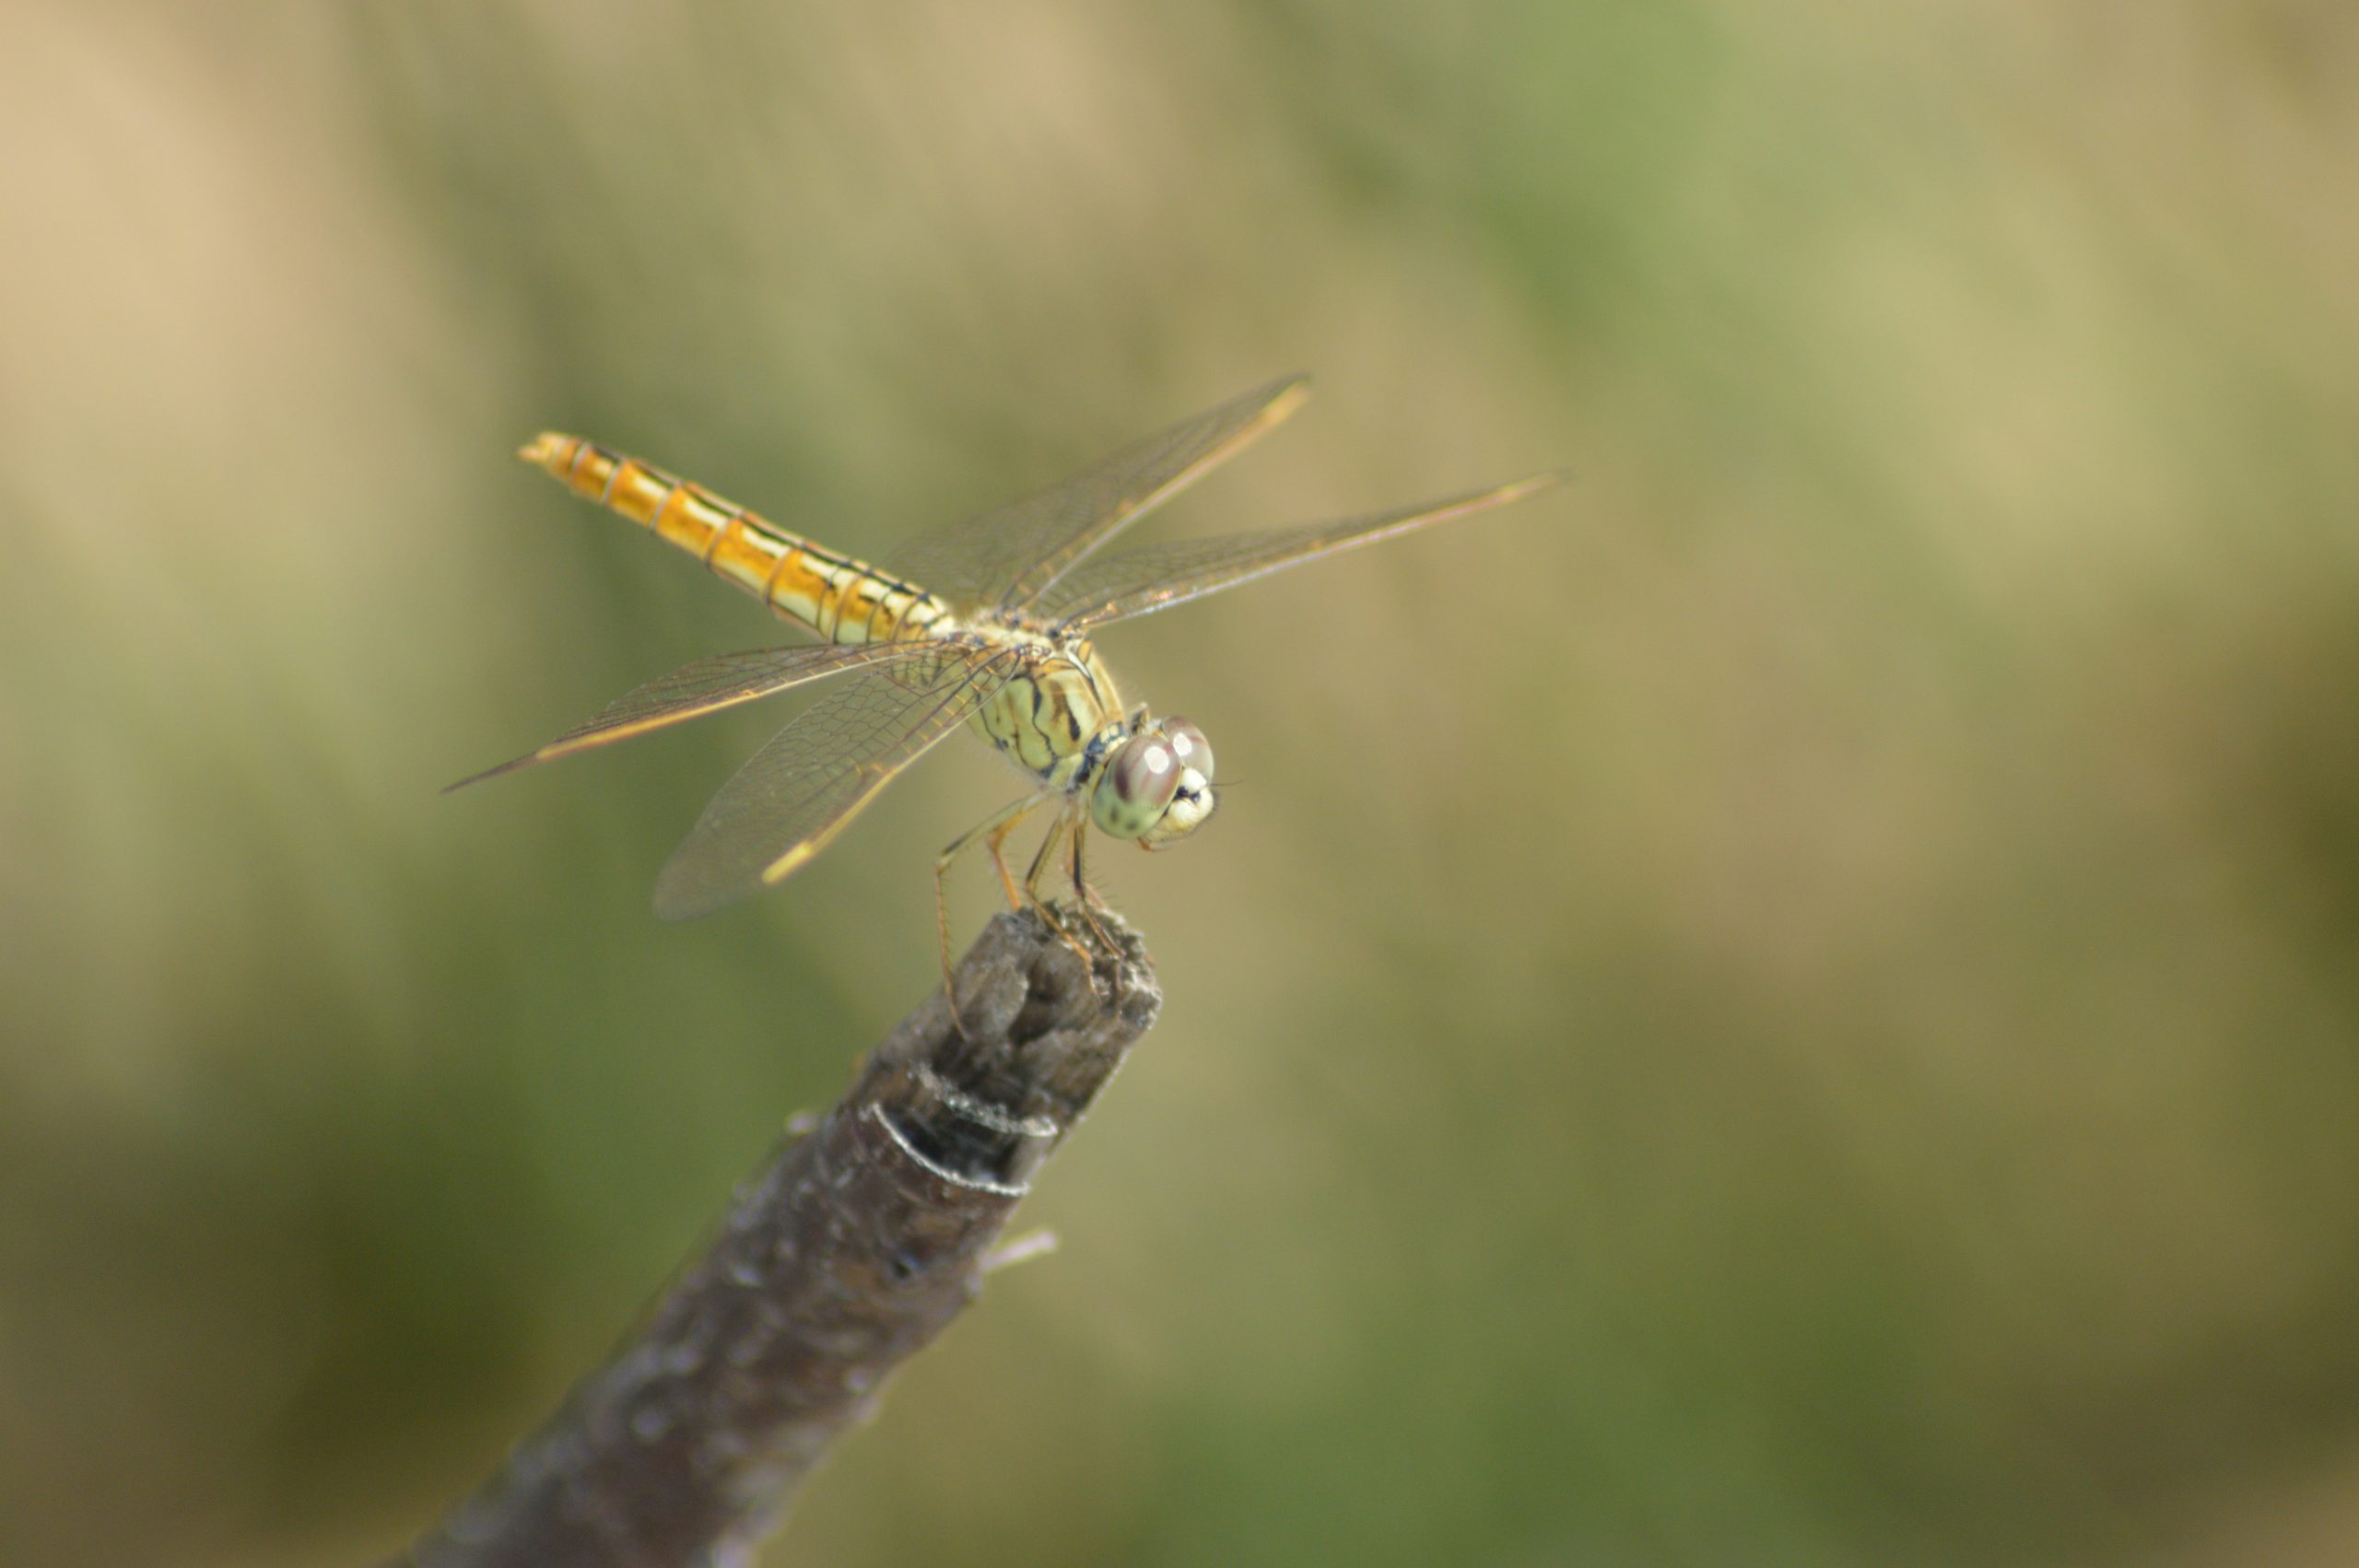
x: 1090, y: 902
x: 1042, y: 860
x: 996, y: 842
x: 994, y: 831
x: 1058, y: 838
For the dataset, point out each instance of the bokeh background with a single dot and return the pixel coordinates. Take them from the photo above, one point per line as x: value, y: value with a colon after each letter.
x: 1796, y: 1001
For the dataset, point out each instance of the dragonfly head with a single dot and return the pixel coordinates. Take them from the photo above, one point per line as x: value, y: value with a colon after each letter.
x: 1156, y: 785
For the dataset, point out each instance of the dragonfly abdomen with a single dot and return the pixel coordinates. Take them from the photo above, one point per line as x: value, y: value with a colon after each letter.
x: 842, y: 599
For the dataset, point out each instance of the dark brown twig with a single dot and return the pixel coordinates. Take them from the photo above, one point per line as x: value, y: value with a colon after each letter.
x: 851, y: 1249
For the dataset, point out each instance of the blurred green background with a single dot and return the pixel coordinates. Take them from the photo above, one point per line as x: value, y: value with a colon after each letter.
x: 1796, y: 1001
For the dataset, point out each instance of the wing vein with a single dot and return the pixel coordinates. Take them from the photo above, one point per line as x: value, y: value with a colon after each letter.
x: 794, y: 796
x: 1011, y: 555
x: 1159, y: 576
x: 708, y: 685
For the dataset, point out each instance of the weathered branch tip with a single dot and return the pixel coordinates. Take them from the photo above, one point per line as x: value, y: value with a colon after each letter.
x: 854, y: 1246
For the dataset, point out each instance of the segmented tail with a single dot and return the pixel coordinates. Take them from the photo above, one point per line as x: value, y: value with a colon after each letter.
x: 841, y: 599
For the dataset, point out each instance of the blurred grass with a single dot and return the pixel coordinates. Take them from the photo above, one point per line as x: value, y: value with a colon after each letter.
x: 1792, y: 1003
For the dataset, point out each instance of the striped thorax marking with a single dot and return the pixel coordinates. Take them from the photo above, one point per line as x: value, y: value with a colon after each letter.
x: 1060, y: 700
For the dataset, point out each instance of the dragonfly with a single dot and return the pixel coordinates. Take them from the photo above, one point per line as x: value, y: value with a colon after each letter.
x: 985, y: 622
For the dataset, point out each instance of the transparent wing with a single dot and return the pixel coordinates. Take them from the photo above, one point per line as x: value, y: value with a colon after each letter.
x: 706, y: 686
x: 1011, y: 555
x: 795, y: 794
x: 1160, y: 576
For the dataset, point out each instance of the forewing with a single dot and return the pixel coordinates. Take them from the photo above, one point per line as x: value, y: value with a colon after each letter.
x: 1160, y: 576
x: 1011, y: 555
x: 795, y: 794
x: 706, y: 686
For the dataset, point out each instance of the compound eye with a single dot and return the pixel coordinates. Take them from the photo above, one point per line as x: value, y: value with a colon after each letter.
x: 1188, y: 743
x: 1144, y: 774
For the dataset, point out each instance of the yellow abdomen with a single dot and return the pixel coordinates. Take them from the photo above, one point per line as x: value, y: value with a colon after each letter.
x: 841, y: 599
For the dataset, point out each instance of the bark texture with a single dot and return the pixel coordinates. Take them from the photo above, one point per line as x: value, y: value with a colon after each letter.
x: 854, y: 1247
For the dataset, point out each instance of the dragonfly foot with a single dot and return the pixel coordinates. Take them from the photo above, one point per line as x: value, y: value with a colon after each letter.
x: 1057, y: 924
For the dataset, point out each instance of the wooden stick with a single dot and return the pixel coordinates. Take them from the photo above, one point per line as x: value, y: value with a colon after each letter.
x: 851, y: 1249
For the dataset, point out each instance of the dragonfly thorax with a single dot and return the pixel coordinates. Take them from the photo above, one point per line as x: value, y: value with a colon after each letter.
x: 1059, y: 715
